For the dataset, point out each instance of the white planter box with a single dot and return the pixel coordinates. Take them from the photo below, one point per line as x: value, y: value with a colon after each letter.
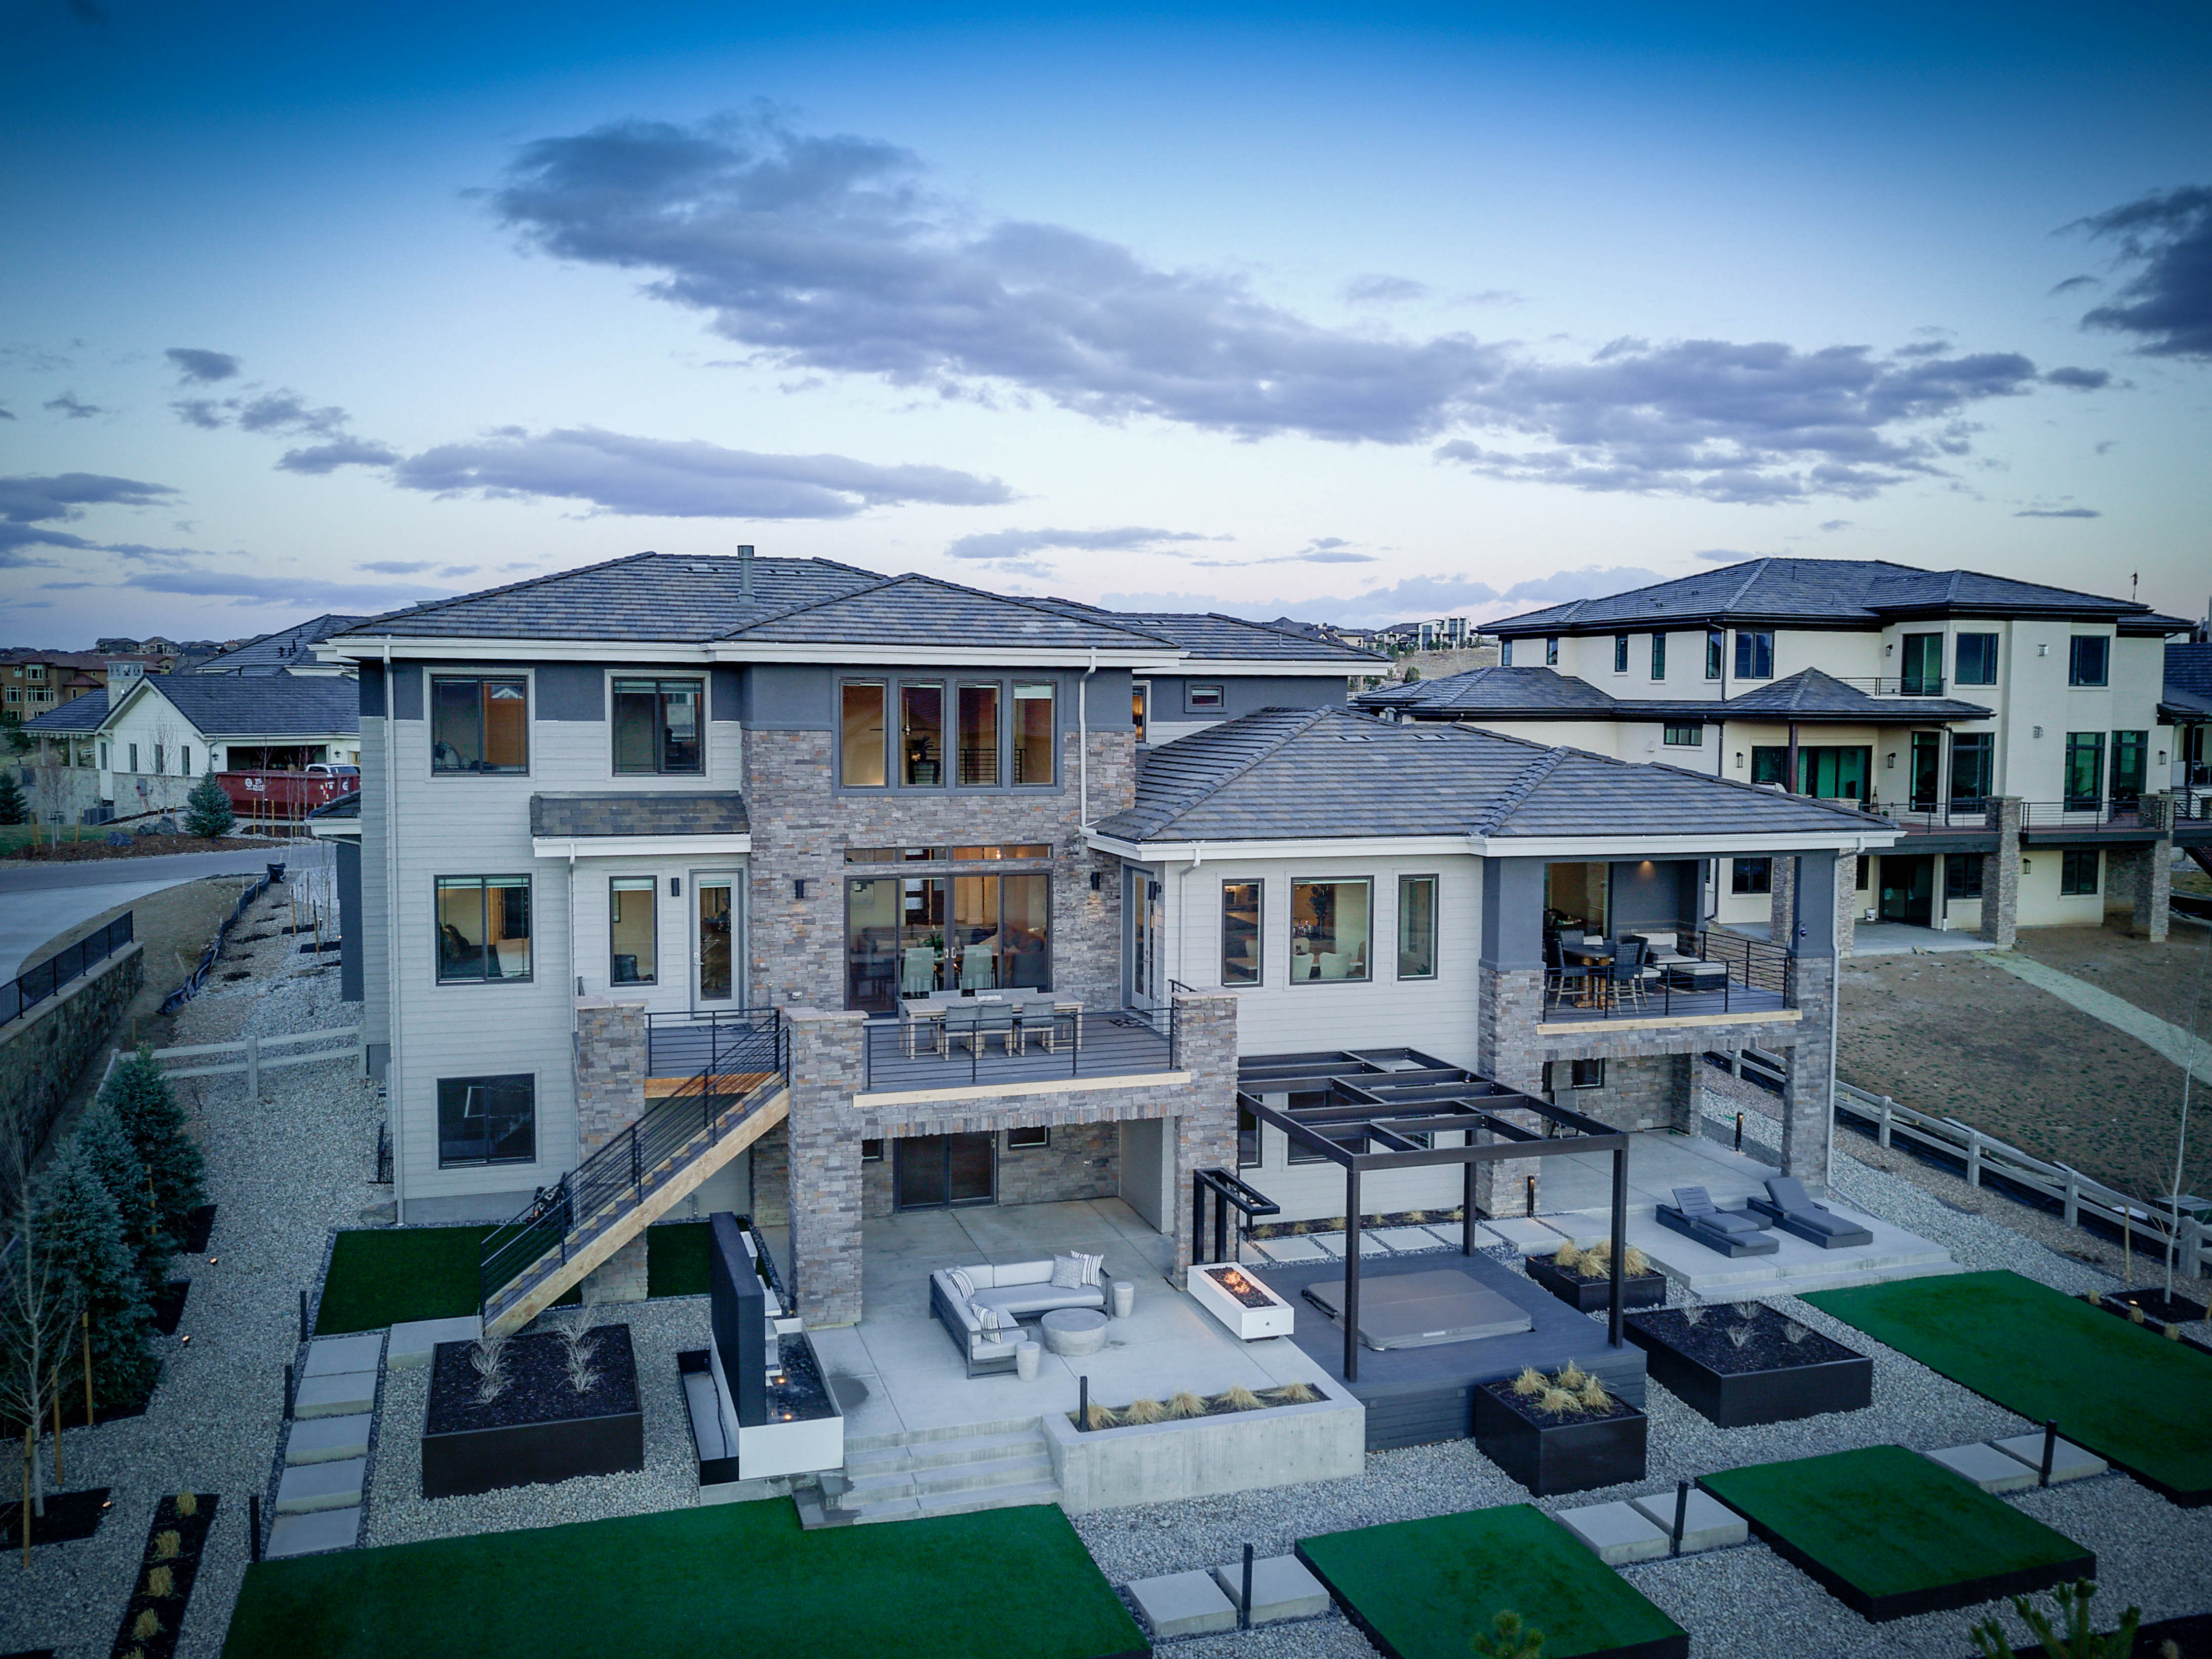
x: 1251, y: 1323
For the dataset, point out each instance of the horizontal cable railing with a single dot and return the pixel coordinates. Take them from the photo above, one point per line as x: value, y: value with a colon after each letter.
x: 1957, y: 815
x: 684, y: 1044
x: 1725, y: 973
x: 42, y: 980
x: 1907, y: 685
x: 999, y: 1046
x: 2081, y: 812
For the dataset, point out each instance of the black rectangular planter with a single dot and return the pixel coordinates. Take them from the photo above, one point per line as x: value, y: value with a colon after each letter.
x: 1592, y: 1295
x: 1738, y: 1400
x: 460, y: 1462
x: 1564, y: 1457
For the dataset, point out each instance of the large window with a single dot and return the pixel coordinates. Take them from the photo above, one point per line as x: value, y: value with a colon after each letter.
x: 656, y: 726
x: 2077, y: 872
x: 1417, y: 927
x: 1033, y: 732
x: 907, y: 936
x: 1977, y: 659
x: 1240, y: 932
x: 2090, y: 661
x: 1683, y: 737
x: 861, y: 733
x: 631, y: 935
x: 922, y: 734
x: 1973, y: 759
x: 486, y: 1119
x: 479, y: 723
x: 484, y: 928
x: 1754, y: 653
x: 1658, y: 656
x: 1827, y: 772
x: 1927, y: 769
x: 1922, y: 671
x: 2084, y: 770
x: 1751, y: 876
x: 1575, y: 897
x: 1330, y: 929
x: 2128, y: 767
x: 1715, y: 640
x: 1962, y: 875
x: 1552, y: 651
x: 978, y: 710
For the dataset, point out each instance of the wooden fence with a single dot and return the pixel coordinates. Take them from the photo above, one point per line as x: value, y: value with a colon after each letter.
x: 252, y: 1055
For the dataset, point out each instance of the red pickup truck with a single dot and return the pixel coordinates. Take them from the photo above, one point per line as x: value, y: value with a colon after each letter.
x: 288, y: 794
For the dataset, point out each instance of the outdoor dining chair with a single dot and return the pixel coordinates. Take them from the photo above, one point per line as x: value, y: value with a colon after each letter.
x: 917, y: 975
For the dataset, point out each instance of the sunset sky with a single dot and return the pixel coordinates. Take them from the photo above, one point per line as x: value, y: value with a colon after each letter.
x: 1357, y: 313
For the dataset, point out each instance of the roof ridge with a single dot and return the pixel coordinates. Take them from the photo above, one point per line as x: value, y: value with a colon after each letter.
x: 789, y: 611
x: 1043, y: 607
x: 1519, y: 791
x: 1758, y: 569
x: 1309, y: 717
x: 495, y: 592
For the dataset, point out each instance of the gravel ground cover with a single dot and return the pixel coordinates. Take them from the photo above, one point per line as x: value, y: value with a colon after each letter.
x: 282, y: 1172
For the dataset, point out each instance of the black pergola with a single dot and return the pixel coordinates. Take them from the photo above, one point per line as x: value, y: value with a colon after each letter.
x: 1369, y: 1110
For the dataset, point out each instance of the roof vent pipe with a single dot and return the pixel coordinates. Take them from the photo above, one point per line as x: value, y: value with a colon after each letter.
x: 745, y: 572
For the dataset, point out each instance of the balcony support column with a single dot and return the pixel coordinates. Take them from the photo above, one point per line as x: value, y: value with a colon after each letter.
x: 2000, y: 874
x: 825, y: 1164
x: 1204, y: 1128
x: 1809, y: 1073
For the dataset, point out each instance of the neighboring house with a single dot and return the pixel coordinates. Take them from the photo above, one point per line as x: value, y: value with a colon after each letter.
x: 287, y: 651
x: 2014, y: 729
x: 141, y: 749
x: 2187, y: 704
x: 35, y: 683
x: 603, y: 807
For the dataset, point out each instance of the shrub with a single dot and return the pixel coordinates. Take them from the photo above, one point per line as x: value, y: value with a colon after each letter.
x: 79, y: 1231
x: 1572, y: 1376
x: 1184, y: 1403
x: 1144, y: 1411
x: 2077, y: 1640
x: 1241, y: 1399
x: 1594, y: 1396
x: 1569, y: 1260
x: 1560, y: 1402
x: 1510, y: 1640
x: 14, y: 808
x: 1531, y: 1381
x: 207, y: 809
x: 147, y: 1106
x: 115, y: 1161
x: 1297, y: 1393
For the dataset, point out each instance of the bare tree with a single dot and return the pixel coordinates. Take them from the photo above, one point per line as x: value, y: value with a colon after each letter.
x: 51, y: 770
x: 2161, y: 1172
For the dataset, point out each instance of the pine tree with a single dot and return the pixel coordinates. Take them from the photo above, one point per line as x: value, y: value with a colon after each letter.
x: 14, y: 808
x: 108, y: 1148
x: 82, y: 1238
x: 150, y: 1115
x: 207, y: 809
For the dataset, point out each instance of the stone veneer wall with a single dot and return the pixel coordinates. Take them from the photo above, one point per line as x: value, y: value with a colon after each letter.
x: 610, y: 1068
x: 2001, y: 875
x: 1508, y: 1004
x: 1081, y: 1160
x: 2139, y: 880
x: 42, y: 1052
x: 1807, y: 1099
x: 801, y: 827
x: 824, y: 1136
x: 771, y: 1177
x: 1639, y: 1092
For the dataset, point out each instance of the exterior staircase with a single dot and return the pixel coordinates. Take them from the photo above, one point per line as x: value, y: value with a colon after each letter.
x: 950, y: 1471
x: 693, y: 1129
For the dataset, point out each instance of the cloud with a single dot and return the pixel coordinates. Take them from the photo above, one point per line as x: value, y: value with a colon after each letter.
x: 1835, y: 524
x: 1322, y: 550
x: 1384, y: 290
x: 61, y: 497
x: 1735, y: 554
x: 342, y: 452
x: 2079, y: 380
x: 2166, y: 304
x: 286, y: 414
x: 6, y: 414
x: 655, y: 477
x: 202, y: 412
x: 2059, y: 513
x: 400, y: 567
x: 63, y: 587
x: 1590, y: 582
x: 201, y: 368
x: 71, y: 407
x: 258, y: 587
x: 1415, y: 596
x: 2073, y: 283
x: 1022, y: 543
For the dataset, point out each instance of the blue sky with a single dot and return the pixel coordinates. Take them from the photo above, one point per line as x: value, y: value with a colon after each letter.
x: 1354, y: 314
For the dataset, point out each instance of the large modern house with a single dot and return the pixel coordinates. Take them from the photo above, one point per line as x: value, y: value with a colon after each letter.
x: 977, y: 900
x: 2016, y: 731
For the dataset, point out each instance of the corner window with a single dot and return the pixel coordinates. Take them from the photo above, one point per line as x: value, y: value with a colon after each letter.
x: 1033, y: 734
x: 632, y: 936
x: 860, y: 734
x: 2090, y: 661
x: 1552, y: 651
x: 1240, y: 932
x: 479, y: 725
x: 484, y: 928
x: 978, y: 715
x: 1028, y: 1140
x: 1751, y: 876
x: 1208, y: 699
x: 657, y: 726
x: 2077, y: 873
x: 1683, y: 737
x: 1658, y: 656
x: 1977, y: 659
x: 486, y: 1119
x: 1620, y: 653
x: 1714, y: 640
x: 1417, y: 927
x: 1754, y: 653
x: 1329, y: 930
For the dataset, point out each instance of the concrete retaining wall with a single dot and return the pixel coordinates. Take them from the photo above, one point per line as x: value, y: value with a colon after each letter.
x: 1201, y: 1457
x: 42, y: 1052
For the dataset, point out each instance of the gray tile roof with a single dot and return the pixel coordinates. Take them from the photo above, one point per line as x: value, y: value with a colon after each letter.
x: 271, y: 653
x: 1544, y: 694
x: 661, y: 812
x: 2188, y: 681
x: 1812, y: 695
x: 301, y: 706
x: 1494, y: 691
x: 922, y: 610
x: 1213, y: 636
x: 1838, y: 592
x: 1323, y: 774
x: 80, y: 714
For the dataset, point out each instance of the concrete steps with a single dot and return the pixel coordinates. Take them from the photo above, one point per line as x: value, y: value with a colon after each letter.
x: 948, y: 1471
x: 321, y: 1494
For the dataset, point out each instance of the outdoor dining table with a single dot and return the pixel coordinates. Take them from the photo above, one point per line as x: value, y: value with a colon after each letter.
x: 1590, y: 955
x: 1030, y: 1014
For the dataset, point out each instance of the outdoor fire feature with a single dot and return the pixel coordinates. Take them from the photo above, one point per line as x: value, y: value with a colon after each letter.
x: 1554, y: 1447
x: 1241, y: 1302
x: 1746, y: 1364
x: 537, y: 1427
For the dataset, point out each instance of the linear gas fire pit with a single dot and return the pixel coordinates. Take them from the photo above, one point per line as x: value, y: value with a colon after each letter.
x: 1241, y: 1302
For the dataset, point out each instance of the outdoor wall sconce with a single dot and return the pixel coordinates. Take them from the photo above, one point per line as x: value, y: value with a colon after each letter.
x: 676, y: 887
x: 1889, y: 762
x: 1098, y: 881
x: 2042, y: 650
x: 2025, y: 867
x: 2039, y: 730
x: 1739, y: 760
x: 799, y: 888
x: 1889, y: 650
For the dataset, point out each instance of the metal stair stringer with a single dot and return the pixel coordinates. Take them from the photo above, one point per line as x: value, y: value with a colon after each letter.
x: 504, y: 1318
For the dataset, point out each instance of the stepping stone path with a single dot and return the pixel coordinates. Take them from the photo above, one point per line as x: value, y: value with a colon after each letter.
x: 415, y: 1342
x: 1184, y: 1604
x: 1707, y: 1524
x: 1407, y: 1239
x: 319, y: 1498
x: 1991, y: 1470
x: 1617, y: 1534
x: 1528, y: 1236
x: 1281, y: 1589
x: 1293, y: 1250
x: 2068, y: 1460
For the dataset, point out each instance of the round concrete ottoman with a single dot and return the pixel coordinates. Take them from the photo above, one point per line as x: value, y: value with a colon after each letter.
x: 1125, y: 1298
x: 1025, y: 1360
x: 1072, y: 1331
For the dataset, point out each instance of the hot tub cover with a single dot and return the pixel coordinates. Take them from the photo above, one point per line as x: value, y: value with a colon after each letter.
x: 1422, y: 1310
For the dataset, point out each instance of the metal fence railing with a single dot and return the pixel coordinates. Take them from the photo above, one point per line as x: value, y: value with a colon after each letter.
x: 38, y: 982
x: 2080, y: 812
x: 1957, y: 815
x: 1009, y: 1047
x: 1726, y: 973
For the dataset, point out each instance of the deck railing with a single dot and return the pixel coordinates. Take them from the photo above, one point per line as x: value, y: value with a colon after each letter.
x: 1762, y: 977
x: 901, y: 1055
x: 2081, y: 812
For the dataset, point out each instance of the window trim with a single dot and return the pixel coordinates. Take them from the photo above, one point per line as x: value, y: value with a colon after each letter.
x: 1014, y: 700
x: 1191, y: 705
x: 703, y: 681
x: 1659, y: 655
x: 529, y: 680
x: 1750, y: 642
x: 880, y: 682
x: 1041, y: 1143
x: 1290, y: 916
x: 1958, y: 657
x: 485, y: 1079
x: 484, y: 887
x: 2104, y: 680
x: 948, y: 686
x: 2068, y: 860
x: 1551, y: 650
x: 1716, y: 652
x: 1750, y: 877
x: 1668, y: 738
x: 1620, y: 653
x: 1435, y: 925
x: 1259, y: 932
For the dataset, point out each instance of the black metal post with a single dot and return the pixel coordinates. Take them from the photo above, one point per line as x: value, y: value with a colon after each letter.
x: 1619, y: 1239
x: 1681, y: 1516
x: 2050, y: 1451
x: 287, y: 1388
x: 1220, y: 1228
x: 1197, y: 1221
x: 1244, y: 1602
x: 253, y: 1526
x: 1532, y: 1196
x: 1466, y: 1205
x: 1739, y: 1132
x: 1082, y: 1405
x: 1352, y: 1274
x: 303, y: 1315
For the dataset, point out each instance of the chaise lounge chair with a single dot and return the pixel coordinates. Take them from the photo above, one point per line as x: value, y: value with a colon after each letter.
x: 1732, y: 1232
x: 1789, y: 1206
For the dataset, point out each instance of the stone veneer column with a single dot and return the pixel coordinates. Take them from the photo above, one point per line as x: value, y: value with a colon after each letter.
x: 2154, y: 873
x: 823, y: 1135
x: 1205, y: 1124
x: 1509, y: 1005
x: 1781, y: 908
x: 610, y: 1063
x: 1847, y: 909
x: 2001, y: 875
x: 1808, y: 1104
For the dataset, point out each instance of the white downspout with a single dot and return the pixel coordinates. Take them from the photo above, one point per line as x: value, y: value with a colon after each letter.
x: 392, y: 941
x: 1083, y: 744
x: 1183, y: 909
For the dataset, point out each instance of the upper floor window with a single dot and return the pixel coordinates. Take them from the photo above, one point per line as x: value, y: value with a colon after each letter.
x: 1240, y: 932
x: 1658, y: 656
x: 479, y: 723
x: 1505, y: 653
x: 185, y: 761
x: 860, y: 734
x: 1620, y: 653
x: 1754, y: 653
x: 1033, y: 732
x: 134, y: 757
x: 484, y: 928
x: 1140, y: 695
x: 978, y: 715
x: 1714, y: 641
x: 1330, y: 925
x: 656, y: 726
x: 632, y: 938
x: 1923, y: 675
x: 1552, y: 651
x: 1977, y: 659
x: 1417, y: 927
x: 35, y: 672
x: 1205, y: 699
x: 1683, y: 737
x: 160, y: 761
x: 2090, y: 663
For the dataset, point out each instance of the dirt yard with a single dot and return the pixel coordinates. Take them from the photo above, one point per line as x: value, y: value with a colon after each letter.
x: 1954, y: 1035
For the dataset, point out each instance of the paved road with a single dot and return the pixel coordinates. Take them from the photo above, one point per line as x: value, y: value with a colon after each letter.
x: 38, y: 901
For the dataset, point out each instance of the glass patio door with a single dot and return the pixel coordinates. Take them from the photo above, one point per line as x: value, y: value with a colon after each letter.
x: 933, y: 1172
x: 714, y: 942
x: 1145, y: 899
x: 1927, y: 769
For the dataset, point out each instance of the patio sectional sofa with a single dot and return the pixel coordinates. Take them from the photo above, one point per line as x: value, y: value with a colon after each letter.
x: 1020, y: 1290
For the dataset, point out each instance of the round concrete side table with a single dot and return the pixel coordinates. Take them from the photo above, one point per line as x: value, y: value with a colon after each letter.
x: 1074, y: 1331
x: 1125, y: 1298
x: 1025, y: 1360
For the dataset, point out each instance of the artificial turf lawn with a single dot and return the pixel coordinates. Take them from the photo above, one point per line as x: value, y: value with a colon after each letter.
x: 2115, y: 1388
x: 1892, y: 1532
x: 1424, y: 1590
x: 380, y: 1276
x: 729, y: 1579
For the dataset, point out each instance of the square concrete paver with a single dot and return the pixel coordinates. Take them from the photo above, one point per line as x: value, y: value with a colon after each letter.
x: 1281, y: 1589
x: 1182, y: 1604
x: 313, y: 1533
x: 1528, y: 1236
x: 415, y: 1342
x: 334, y: 1485
x: 340, y: 1395
x: 1991, y: 1470
x: 330, y: 1355
x: 1709, y: 1524
x: 2068, y: 1460
x: 1406, y: 1238
x: 328, y: 1439
x: 1291, y: 1249
x: 1615, y: 1533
